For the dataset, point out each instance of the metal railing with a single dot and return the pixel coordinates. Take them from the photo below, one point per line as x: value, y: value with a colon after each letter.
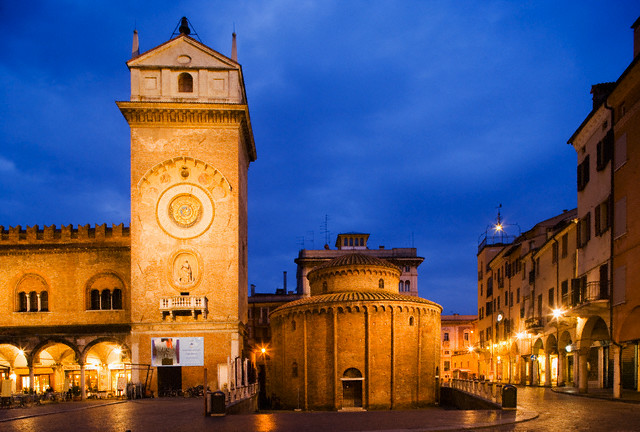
x: 240, y: 393
x: 533, y: 323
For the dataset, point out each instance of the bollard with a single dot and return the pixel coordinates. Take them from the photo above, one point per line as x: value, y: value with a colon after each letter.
x: 509, y: 397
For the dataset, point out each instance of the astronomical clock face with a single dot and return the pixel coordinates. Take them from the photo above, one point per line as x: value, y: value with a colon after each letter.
x: 185, y: 211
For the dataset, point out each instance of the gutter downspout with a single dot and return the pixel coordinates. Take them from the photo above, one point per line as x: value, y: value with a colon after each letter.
x: 617, y: 372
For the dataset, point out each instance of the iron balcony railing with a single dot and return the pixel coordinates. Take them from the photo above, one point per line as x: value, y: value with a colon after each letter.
x: 586, y: 292
x: 534, y: 323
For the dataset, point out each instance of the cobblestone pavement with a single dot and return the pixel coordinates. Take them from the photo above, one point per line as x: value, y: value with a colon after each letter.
x: 539, y: 409
x: 566, y: 412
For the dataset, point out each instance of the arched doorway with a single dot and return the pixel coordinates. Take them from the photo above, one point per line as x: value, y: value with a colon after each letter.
x: 629, y: 335
x: 106, y: 369
x: 352, y: 388
x: 567, y: 358
x: 538, y: 366
x: 55, y: 365
x: 594, y: 344
x: 551, y: 360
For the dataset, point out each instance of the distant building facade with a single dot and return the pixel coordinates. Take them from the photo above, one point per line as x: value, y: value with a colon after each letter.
x: 458, y: 336
x: 573, y: 317
x: 355, y: 342
x: 406, y: 259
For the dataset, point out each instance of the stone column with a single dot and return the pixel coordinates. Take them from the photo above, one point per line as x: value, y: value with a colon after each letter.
x: 547, y: 369
x: 583, y: 384
x: 82, y: 382
x: 32, y: 377
x: 617, y: 369
x: 561, y: 373
x: 534, y: 372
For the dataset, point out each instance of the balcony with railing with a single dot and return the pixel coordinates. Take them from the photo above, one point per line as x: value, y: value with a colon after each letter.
x: 587, y: 297
x: 534, y: 323
x: 184, y: 306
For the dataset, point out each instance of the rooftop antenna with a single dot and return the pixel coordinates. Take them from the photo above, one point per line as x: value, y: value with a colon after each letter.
x: 185, y: 27
x: 324, y: 229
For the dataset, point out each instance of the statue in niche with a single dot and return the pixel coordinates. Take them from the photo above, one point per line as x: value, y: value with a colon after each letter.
x: 185, y: 269
x: 186, y: 274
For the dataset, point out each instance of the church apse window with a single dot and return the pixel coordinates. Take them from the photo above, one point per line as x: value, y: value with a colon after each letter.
x: 381, y: 283
x: 324, y: 287
x: 185, y: 83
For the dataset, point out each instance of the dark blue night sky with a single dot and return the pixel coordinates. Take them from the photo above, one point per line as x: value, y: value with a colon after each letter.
x: 409, y: 120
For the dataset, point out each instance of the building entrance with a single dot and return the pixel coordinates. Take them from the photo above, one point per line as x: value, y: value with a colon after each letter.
x: 169, y: 380
x: 352, y: 388
x: 352, y: 393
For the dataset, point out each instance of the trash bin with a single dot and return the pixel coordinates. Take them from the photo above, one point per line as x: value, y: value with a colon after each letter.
x: 216, y: 403
x: 509, y: 397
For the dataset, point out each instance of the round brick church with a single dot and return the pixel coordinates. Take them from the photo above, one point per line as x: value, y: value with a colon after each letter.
x: 356, y: 343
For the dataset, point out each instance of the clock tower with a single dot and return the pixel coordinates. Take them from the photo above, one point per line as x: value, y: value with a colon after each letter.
x: 191, y: 146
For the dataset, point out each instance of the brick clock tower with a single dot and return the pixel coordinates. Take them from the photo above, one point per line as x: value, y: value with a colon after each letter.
x: 191, y: 145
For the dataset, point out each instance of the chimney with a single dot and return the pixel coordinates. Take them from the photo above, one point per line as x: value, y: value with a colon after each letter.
x: 284, y: 282
x: 234, y: 48
x: 253, y: 290
x: 636, y: 38
x: 600, y: 93
x: 135, y: 48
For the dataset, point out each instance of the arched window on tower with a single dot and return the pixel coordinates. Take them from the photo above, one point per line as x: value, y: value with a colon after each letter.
x: 22, y: 302
x: 116, y: 299
x: 407, y: 286
x: 44, y: 301
x: 401, y: 286
x: 185, y: 83
x: 95, y: 299
x: 105, y: 299
x: 381, y: 283
x: 33, y: 301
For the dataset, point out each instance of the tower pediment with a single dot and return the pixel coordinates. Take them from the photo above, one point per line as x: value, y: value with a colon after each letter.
x: 185, y: 70
x: 183, y: 52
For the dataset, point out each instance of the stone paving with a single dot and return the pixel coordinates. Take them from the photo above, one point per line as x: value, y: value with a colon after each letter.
x: 539, y: 409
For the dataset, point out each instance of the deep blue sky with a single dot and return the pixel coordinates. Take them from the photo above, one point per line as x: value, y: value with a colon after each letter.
x: 409, y: 120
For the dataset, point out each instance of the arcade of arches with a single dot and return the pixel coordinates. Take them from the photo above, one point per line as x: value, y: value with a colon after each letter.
x: 101, y: 367
x: 578, y: 353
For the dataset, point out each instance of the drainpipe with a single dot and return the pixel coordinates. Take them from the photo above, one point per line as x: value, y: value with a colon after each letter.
x: 617, y: 372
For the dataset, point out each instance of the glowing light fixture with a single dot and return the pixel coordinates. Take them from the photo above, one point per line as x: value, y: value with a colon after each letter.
x: 557, y: 313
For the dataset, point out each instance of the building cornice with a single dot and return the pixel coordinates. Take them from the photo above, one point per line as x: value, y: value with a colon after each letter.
x: 190, y: 115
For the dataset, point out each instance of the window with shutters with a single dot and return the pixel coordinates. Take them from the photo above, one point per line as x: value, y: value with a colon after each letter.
x: 583, y: 173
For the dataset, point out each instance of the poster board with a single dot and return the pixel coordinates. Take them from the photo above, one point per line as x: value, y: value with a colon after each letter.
x: 177, y: 351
